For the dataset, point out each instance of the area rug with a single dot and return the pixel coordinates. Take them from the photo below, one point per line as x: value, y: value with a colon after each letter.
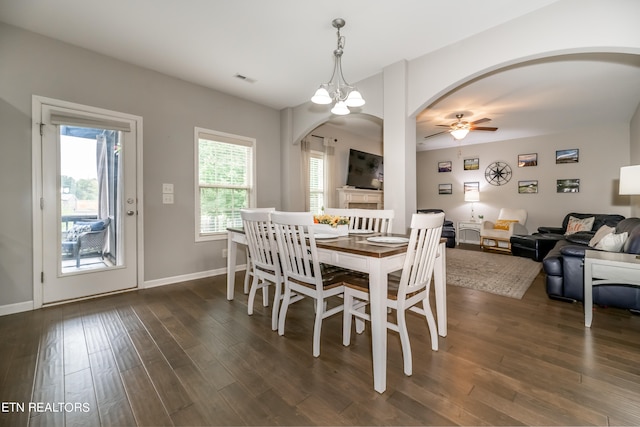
x: 505, y: 275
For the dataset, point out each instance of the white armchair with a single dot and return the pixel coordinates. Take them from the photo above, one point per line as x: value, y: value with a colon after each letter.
x: 497, y: 235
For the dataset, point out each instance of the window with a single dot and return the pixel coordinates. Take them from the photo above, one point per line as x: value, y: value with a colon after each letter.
x: 316, y: 182
x: 225, y: 170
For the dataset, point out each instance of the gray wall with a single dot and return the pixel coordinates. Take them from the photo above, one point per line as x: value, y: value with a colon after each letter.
x: 603, y: 149
x: 34, y: 65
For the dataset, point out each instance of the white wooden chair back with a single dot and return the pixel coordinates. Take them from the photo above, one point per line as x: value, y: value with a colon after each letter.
x: 377, y: 220
x: 421, y: 256
x: 297, y: 247
x: 260, y: 239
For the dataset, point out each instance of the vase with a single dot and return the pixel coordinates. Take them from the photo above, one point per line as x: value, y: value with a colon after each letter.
x: 340, y: 230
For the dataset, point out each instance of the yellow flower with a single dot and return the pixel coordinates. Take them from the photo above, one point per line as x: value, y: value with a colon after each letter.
x: 332, y: 220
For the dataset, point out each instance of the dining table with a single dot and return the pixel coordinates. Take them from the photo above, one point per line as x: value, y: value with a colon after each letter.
x: 357, y: 253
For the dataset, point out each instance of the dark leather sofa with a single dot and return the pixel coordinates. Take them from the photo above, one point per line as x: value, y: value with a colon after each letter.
x: 564, y: 264
x: 448, y: 229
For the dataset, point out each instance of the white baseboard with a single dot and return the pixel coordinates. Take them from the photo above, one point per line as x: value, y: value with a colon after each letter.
x: 186, y: 277
x: 18, y: 307
x: 28, y: 305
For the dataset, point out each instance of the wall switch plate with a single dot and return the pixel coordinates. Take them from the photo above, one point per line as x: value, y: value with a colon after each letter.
x: 167, y: 188
x: 167, y: 199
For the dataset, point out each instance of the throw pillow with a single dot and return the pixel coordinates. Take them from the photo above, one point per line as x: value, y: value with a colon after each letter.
x: 576, y: 224
x: 76, y: 231
x: 612, y: 242
x: 503, y: 224
x: 602, y: 231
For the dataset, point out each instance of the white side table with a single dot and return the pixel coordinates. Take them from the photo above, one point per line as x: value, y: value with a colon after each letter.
x: 601, y: 268
x: 465, y: 226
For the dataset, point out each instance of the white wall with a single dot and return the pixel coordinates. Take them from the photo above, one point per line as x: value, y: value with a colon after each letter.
x: 171, y: 108
x: 598, y: 173
x: 635, y: 156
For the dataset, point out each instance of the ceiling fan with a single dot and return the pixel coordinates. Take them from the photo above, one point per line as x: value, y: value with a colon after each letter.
x: 461, y: 128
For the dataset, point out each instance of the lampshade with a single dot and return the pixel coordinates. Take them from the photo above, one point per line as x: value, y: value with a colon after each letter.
x: 472, y: 196
x: 354, y: 99
x: 321, y: 96
x: 630, y: 180
x: 459, y: 133
x: 340, y: 109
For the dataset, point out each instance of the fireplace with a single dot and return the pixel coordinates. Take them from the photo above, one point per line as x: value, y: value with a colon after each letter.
x: 355, y: 198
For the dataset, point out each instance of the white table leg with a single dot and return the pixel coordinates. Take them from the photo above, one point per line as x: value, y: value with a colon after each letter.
x: 440, y: 288
x: 588, y: 294
x: 378, y: 307
x: 232, y: 249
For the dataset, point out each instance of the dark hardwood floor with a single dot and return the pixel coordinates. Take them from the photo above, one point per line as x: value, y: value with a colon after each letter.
x: 184, y: 355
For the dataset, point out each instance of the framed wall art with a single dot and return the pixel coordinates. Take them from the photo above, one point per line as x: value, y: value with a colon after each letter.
x: 445, y: 188
x: 568, y: 185
x: 528, y: 186
x: 444, y: 166
x: 567, y: 156
x: 525, y: 160
x: 471, y: 164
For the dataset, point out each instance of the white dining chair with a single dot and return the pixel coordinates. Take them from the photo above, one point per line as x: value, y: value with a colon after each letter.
x: 264, y: 265
x: 303, y: 273
x: 248, y: 275
x: 406, y: 293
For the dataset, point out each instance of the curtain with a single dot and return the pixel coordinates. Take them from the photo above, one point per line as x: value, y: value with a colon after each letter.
x: 329, y: 172
x: 305, y: 149
x: 103, y: 180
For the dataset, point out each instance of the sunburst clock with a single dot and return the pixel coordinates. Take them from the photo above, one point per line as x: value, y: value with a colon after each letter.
x: 498, y: 173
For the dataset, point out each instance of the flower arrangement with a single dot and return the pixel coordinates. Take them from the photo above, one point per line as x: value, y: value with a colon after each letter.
x: 332, y: 220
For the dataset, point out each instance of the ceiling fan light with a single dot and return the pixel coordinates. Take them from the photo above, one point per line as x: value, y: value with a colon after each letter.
x: 321, y: 96
x: 340, y: 109
x: 354, y: 99
x: 459, y: 133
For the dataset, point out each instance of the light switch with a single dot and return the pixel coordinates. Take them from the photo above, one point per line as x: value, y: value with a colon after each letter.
x: 167, y: 199
x: 167, y: 189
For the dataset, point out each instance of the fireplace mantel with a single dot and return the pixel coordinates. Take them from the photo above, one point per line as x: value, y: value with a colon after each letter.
x: 352, y: 198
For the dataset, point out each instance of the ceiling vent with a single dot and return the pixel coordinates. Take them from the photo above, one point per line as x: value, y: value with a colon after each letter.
x: 244, y: 78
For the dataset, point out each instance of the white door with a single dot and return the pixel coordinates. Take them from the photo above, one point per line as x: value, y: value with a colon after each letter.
x: 88, y: 201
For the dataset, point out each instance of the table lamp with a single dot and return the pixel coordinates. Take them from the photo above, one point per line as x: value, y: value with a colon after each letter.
x: 630, y: 180
x: 472, y: 196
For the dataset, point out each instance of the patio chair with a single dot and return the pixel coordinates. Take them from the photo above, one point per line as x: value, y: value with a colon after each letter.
x: 85, y: 238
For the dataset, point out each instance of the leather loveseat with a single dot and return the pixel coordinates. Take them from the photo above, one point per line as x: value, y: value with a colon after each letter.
x: 564, y: 264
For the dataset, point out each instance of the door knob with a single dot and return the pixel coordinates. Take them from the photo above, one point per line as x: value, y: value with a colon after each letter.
x: 130, y: 213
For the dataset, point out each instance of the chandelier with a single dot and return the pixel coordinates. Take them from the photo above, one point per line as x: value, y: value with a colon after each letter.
x: 337, y: 90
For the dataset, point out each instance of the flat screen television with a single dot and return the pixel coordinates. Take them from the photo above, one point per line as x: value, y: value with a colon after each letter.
x: 365, y: 170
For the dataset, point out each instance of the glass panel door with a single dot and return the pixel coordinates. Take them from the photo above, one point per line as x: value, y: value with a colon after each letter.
x: 90, y: 195
x: 89, y: 202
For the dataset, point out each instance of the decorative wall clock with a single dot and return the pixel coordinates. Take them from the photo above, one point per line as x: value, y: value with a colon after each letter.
x: 498, y: 173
